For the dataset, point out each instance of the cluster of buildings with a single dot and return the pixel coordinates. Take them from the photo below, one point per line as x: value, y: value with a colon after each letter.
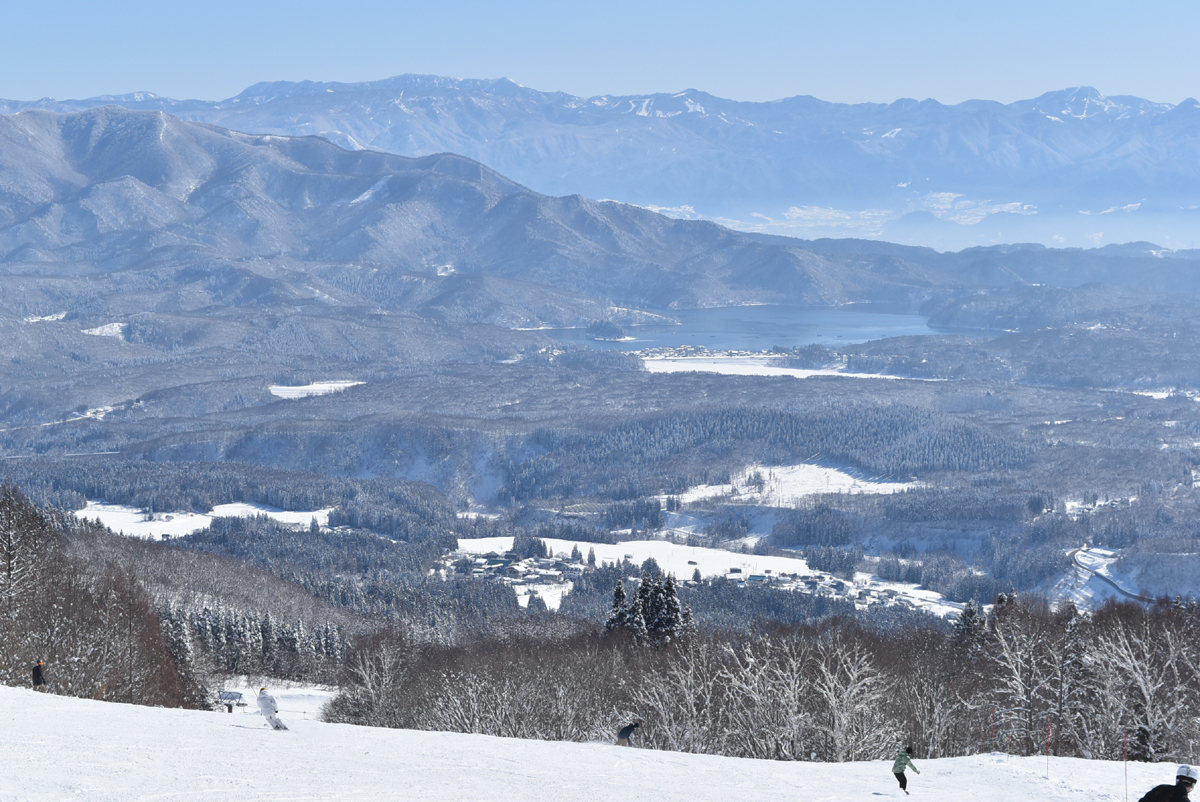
x: 551, y: 578
x: 547, y: 577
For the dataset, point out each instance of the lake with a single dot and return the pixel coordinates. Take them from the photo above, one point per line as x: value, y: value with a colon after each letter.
x: 758, y: 328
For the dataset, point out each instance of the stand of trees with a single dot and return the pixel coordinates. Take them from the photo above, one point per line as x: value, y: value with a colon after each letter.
x: 668, y: 452
x: 654, y: 614
x: 94, y: 625
x: 830, y: 691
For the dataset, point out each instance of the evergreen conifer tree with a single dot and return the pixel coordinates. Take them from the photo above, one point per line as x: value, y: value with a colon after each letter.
x: 687, y: 622
x: 216, y: 624
x: 619, y: 616
x: 269, y: 652
x: 649, y: 598
x: 193, y: 691
x: 969, y: 628
x: 636, y: 621
x: 670, y: 614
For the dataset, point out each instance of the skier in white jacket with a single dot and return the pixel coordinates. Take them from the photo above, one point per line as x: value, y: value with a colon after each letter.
x: 269, y: 709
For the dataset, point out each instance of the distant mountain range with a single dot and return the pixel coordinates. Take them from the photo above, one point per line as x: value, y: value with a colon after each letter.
x: 158, y: 266
x: 1071, y: 168
x: 110, y: 189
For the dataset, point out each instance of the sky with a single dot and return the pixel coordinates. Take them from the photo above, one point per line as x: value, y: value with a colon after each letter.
x: 846, y: 51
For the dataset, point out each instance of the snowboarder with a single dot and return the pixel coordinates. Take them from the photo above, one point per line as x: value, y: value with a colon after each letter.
x: 903, y: 761
x: 1185, y: 781
x: 39, y: 678
x: 626, y: 733
x: 269, y: 709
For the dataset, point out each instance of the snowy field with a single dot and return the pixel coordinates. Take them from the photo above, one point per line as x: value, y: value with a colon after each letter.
x: 671, y: 557
x: 56, y: 748
x: 107, y: 330
x: 552, y: 595
x: 784, y: 485
x: 316, y: 388
x: 739, y: 365
x: 132, y: 522
x: 787, y: 573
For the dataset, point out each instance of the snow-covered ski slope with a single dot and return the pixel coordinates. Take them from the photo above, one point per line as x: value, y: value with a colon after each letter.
x: 56, y: 748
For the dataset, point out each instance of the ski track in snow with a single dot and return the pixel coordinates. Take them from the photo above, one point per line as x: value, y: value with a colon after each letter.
x: 59, y: 748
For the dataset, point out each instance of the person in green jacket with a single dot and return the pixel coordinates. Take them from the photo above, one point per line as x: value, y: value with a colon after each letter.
x: 903, y: 761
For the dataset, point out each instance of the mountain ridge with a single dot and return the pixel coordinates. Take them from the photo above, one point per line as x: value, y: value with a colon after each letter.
x: 109, y: 188
x: 1033, y: 170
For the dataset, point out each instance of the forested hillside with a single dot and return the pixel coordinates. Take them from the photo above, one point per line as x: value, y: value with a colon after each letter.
x: 195, y: 319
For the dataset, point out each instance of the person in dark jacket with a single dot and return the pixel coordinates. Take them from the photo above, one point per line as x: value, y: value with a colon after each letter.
x: 903, y: 761
x: 39, y: 678
x: 1185, y: 781
x: 626, y: 733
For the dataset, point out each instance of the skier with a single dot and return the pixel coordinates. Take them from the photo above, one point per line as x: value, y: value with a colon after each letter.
x: 1185, y: 781
x: 903, y: 761
x: 626, y: 733
x: 269, y: 709
x: 39, y: 679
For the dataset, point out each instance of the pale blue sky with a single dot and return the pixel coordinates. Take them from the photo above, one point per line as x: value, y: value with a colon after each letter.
x: 849, y: 51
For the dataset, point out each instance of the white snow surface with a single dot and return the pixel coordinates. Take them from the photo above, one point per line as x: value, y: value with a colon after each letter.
x: 552, y: 595
x: 132, y: 521
x: 296, y: 700
x: 672, y: 558
x: 316, y: 388
x: 107, y: 330
x: 784, y: 485
x: 59, y: 748
x: 43, y: 318
x: 746, y: 366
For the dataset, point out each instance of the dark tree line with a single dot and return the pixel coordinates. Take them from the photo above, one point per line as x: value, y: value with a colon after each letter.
x: 718, y: 603
x: 639, y: 514
x: 94, y: 625
x: 665, y: 453
x: 234, y: 642
x: 396, y: 507
x: 828, y: 691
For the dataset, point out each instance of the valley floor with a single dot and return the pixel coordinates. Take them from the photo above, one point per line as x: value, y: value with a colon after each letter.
x: 58, y: 748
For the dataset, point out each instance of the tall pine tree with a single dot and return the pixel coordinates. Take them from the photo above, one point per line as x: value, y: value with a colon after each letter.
x: 618, y: 618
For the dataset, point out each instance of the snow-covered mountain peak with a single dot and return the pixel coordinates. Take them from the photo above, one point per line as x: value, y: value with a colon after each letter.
x: 747, y: 162
x: 1088, y: 103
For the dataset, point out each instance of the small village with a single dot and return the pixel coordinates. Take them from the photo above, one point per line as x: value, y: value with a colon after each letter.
x: 551, y: 578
